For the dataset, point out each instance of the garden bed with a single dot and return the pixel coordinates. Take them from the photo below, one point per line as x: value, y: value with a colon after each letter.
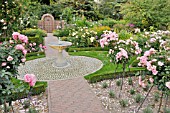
x: 130, y: 101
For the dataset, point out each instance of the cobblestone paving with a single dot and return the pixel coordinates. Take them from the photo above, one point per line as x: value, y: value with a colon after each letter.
x: 43, y: 69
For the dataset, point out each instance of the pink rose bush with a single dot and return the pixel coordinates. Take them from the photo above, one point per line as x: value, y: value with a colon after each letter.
x: 30, y: 79
x: 156, y: 60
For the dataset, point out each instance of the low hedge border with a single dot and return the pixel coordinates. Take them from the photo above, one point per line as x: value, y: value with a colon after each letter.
x: 98, y: 78
x: 74, y: 49
x: 36, y: 90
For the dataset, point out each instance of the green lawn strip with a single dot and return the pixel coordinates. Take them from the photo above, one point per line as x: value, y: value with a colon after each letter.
x: 108, y: 68
x: 35, y: 55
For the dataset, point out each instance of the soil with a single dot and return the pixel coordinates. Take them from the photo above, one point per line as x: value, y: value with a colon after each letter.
x: 113, y: 105
x: 38, y: 102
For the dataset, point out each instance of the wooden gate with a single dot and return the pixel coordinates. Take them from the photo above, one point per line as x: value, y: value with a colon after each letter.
x: 48, y: 23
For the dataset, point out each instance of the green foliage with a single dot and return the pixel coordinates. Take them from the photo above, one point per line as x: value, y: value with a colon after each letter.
x: 147, y: 110
x: 82, y: 23
x: 100, y: 29
x: 156, y: 96
x: 148, y: 13
x: 104, y: 85
x: 62, y: 32
x: 130, y: 81
x: 32, y: 110
x: 30, y: 32
x: 118, y: 82
x: 123, y: 102
x: 111, y: 94
x: 124, y: 35
x: 167, y: 110
x: 132, y: 91
x: 138, y: 98
x: 26, y: 104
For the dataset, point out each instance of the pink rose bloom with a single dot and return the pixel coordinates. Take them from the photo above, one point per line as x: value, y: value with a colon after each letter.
x: 167, y: 84
x: 160, y: 63
x: 30, y: 78
x: 124, y: 53
x: 152, y: 40
x: 27, y: 78
x: 151, y: 80
x: 23, y: 59
x: 138, y: 51
x: 103, y: 42
x: 34, y: 44
x: 30, y: 44
x: 33, y: 49
x: 40, y: 45
x: 152, y: 51
x: 154, y: 71
x: 147, y: 53
x: 19, y: 47
x: 143, y: 60
x: 143, y: 85
x: 24, y: 51
x: 3, y: 64
x: 118, y: 56
x: 10, y: 58
x: 44, y: 47
x: 168, y: 59
x: 23, y: 38
x: 15, y: 35
x: 149, y: 66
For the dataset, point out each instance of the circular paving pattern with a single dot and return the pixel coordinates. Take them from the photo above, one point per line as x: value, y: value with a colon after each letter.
x: 43, y: 69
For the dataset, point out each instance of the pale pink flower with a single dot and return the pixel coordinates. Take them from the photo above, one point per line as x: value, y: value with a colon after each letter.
x: 137, y: 30
x: 167, y: 84
x: 10, y: 58
x: 15, y: 35
x: 23, y: 59
x: 143, y: 61
x: 143, y: 85
x: 44, y: 47
x: 19, y: 47
x: 23, y: 38
x: 30, y: 78
x: 33, y: 49
x: 168, y: 59
x: 151, y: 80
x: 140, y: 80
x: 147, y: 53
x: 154, y: 71
x: 11, y: 41
x: 34, y: 44
x: 40, y: 45
x: 3, y: 64
x: 24, y: 51
x: 152, y: 51
x: 160, y: 63
x: 149, y: 66
x: 30, y: 44
x: 152, y: 40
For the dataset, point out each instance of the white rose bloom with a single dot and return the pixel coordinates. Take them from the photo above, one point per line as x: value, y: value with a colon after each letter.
x: 92, y: 39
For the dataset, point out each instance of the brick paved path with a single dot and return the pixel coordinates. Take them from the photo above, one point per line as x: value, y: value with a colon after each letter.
x: 71, y: 95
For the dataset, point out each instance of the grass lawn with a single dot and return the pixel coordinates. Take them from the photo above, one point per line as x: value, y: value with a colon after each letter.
x: 108, y: 68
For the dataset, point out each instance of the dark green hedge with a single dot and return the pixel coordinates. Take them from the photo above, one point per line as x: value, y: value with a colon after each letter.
x: 98, y: 78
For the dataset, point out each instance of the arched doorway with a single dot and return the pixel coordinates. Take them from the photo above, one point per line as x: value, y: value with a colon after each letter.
x: 48, y: 22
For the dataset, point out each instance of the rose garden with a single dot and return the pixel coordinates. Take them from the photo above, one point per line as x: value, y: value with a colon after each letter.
x: 118, y: 61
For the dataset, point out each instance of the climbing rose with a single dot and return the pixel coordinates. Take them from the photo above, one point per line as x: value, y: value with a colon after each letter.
x: 167, y: 84
x: 30, y: 78
x: 10, y: 58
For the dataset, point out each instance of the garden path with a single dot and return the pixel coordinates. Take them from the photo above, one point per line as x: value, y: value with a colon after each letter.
x: 70, y: 95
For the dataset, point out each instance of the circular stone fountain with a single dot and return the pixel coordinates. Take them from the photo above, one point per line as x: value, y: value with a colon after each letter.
x: 60, y: 46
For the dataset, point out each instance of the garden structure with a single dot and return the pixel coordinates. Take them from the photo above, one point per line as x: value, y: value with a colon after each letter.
x: 48, y: 23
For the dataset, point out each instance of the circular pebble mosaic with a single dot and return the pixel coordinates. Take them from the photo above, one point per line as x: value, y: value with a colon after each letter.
x: 43, y: 69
